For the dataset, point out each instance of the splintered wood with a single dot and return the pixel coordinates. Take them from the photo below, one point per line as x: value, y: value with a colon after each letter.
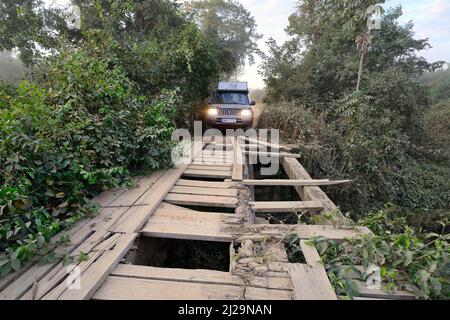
x: 193, y: 201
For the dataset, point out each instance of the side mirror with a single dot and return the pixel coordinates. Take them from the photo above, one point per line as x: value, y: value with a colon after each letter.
x: 253, y: 103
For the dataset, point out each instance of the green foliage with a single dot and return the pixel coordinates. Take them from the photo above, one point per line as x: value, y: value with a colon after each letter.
x: 375, y: 136
x: 416, y: 262
x: 439, y: 84
x: 327, y: 69
x: 230, y: 26
x: 81, y: 132
x: 437, y: 131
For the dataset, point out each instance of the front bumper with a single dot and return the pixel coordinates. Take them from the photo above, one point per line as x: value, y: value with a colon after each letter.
x: 229, y: 122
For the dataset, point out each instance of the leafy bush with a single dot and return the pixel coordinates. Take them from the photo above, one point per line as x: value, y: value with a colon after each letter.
x: 78, y: 133
x: 409, y: 259
x: 360, y: 138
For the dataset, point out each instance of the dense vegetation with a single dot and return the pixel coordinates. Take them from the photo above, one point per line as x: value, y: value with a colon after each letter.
x: 99, y: 103
x: 383, y: 134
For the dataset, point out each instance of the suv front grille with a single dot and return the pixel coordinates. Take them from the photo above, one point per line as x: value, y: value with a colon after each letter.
x: 229, y: 112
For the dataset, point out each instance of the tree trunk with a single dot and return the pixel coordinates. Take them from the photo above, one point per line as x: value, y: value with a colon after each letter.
x: 360, y: 71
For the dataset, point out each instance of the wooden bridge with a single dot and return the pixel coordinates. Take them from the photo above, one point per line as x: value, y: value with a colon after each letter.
x: 209, y: 199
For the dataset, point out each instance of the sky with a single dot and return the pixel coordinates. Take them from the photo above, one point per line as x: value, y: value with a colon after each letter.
x: 431, y: 20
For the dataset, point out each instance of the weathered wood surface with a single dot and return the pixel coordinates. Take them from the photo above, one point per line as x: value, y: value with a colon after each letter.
x: 153, y: 209
x: 238, y: 166
x: 200, y: 276
x: 175, y: 284
x: 201, y: 200
x: 310, y: 283
x: 296, y: 171
x: 285, y: 206
x: 207, y: 174
x: 206, y: 184
x: 303, y: 183
x: 175, y: 222
x: 272, y: 154
x: 205, y: 191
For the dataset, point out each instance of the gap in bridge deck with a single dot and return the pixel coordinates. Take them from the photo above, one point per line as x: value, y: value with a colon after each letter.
x: 203, y: 179
x: 210, y: 209
x: 180, y: 254
x: 278, y: 193
x: 274, y: 193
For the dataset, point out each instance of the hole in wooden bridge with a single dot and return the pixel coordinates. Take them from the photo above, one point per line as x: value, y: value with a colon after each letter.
x: 180, y: 254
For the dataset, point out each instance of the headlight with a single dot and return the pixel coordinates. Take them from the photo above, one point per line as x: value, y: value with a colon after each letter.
x: 246, y: 113
x: 212, y: 112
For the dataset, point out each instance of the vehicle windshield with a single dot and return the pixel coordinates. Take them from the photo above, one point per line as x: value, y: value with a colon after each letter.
x: 231, y: 98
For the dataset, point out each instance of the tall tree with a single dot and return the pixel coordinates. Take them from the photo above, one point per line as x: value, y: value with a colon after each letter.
x: 30, y: 27
x: 231, y: 26
x: 323, y: 58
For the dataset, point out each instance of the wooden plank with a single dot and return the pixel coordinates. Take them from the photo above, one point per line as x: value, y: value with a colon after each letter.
x: 309, y: 231
x: 180, y: 214
x: 213, y: 161
x: 227, y: 168
x: 104, y: 199
x: 260, y: 232
x: 365, y: 292
x: 310, y: 283
x: 156, y: 194
x: 311, y: 255
x: 263, y: 143
x: 296, y: 171
x: 252, y: 293
x: 96, y: 274
x: 24, y: 280
x: 55, y: 281
x: 107, y: 217
x: 205, y: 191
x: 273, y: 154
x: 189, y: 231
x: 118, y: 288
x: 133, y: 219
x: 79, y: 236
x: 285, y: 206
x: 206, y: 184
x: 198, y: 276
x: 303, y: 183
x: 179, y: 223
x: 207, y: 174
x: 204, y: 201
x: 128, y: 198
x: 238, y: 166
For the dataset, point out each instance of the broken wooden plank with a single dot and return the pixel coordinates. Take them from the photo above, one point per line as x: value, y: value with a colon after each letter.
x: 285, y: 206
x: 97, y: 273
x: 264, y: 143
x: 206, y: 184
x: 310, y: 283
x: 204, y: 201
x: 238, y: 165
x: 207, y: 174
x: 296, y: 171
x: 303, y: 183
x: 198, y: 276
x: 205, y: 191
x: 273, y: 154
x: 311, y: 255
